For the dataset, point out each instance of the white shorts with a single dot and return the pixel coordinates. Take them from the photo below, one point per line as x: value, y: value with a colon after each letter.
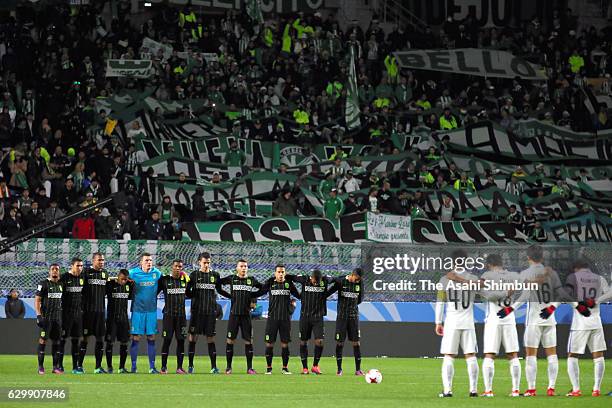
x: 453, y: 338
x: 498, y: 334
x: 580, y: 339
x: 536, y: 335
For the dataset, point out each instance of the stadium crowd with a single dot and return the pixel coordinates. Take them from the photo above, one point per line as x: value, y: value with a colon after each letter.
x: 56, y: 158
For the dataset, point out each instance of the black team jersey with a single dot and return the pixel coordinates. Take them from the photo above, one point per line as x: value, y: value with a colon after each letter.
x: 51, y: 299
x: 349, y: 297
x: 201, y: 289
x: 118, y: 296
x: 279, y: 307
x: 94, y: 290
x: 241, y: 293
x: 314, y: 295
x: 72, y: 304
x: 174, y: 290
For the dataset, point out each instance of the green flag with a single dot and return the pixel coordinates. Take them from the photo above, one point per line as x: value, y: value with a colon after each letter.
x: 253, y: 9
x: 352, y: 98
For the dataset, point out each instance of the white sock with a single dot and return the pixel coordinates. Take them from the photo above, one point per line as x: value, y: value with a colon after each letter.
x: 531, y: 371
x: 515, y: 373
x: 553, y: 370
x: 488, y: 371
x: 573, y: 370
x: 448, y: 372
x: 472, y: 368
x: 599, y: 366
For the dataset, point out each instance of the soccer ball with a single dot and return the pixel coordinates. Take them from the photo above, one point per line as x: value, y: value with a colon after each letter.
x: 373, y: 376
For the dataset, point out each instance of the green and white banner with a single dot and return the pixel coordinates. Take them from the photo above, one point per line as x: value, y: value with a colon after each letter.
x: 388, y: 228
x: 471, y: 61
x: 128, y: 68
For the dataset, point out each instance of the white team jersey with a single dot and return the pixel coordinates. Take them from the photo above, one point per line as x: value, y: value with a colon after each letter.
x: 585, y: 284
x: 459, y: 304
x: 540, y: 299
x: 499, y: 299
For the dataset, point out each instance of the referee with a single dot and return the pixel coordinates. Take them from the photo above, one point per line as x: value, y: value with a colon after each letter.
x: 174, y: 324
x: 72, y: 313
x: 202, y: 289
x: 94, y: 294
x: 241, y: 294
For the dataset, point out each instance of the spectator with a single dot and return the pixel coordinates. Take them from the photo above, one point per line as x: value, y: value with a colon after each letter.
x: 166, y: 212
x: 373, y: 200
x: 448, y: 120
x: 537, y: 233
x: 351, y: 205
x: 12, y: 225
x: 464, y: 184
x: 84, y: 227
x: 34, y: 217
x: 284, y: 205
x: 198, y: 205
x: 515, y: 186
x: 104, y: 224
x: 348, y: 184
x: 447, y: 211
x: 153, y: 228
x: 53, y: 213
x: 14, y: 307
x: 333, y: 207
x: 235, y: 157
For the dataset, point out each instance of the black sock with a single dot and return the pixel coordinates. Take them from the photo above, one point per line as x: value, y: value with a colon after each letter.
x: 285, y: 356
x: 304, y: 355
x: 62, y: 346
x: 41, y: 355
x: 123, y: 352
x: 229, y: 354
x: 109, y: 354
x: 339, y: 348
x: 164, y: 352
x: 317, y: 354
x: 74, y: 350
x: 212, y: 353
x: 248, y: 352
x: 357, y: 354
x: 180, y: 353
x: 269, y: 355
x: 55, y: 354
x: 191, y: 352
x: 82, y: 352
x: 99, y: 352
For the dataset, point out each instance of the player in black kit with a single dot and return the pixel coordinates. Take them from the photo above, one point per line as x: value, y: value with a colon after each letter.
x: 94, y: 294
x: 48, y: 305
x: 174, y: 287
x: 202, y: 290
x: 315, y: 291
x: 350, y: 294
x: 72, y: 313
x: 118, y: 291
x: 241, y: 291
x: 280, y: 309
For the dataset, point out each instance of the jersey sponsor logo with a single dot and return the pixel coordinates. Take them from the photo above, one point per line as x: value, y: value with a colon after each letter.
x: 100, y: 282
x: 74, y: 289
x: 57, y: 295
x: 147, y: 283
x: 242, y: 287
x: 205, y: 286
x: 279, y: 292
x: 121, y: 295
x: 351, y: 295
x: 314, y: 289
x: 176, y: 291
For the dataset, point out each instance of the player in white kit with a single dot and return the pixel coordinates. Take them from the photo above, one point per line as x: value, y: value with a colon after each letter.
x: 498, y: 331
x: 457, y: 329
x: 589, y: 289
x: 540, y: 322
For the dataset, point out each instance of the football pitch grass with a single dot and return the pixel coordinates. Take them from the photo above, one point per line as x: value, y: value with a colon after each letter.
x: 406, y: 382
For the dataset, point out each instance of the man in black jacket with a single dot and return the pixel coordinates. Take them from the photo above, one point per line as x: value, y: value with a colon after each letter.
x: 14, y: 307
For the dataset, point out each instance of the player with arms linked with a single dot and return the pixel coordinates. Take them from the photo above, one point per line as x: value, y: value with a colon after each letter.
x: 48, y: 305
x: 118, y: 292
x: 72, y: 313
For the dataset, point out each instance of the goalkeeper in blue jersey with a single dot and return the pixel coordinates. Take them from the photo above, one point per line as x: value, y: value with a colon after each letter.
x: 144, y: 309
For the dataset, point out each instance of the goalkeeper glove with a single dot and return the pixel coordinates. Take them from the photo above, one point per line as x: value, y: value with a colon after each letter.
x: 583, y: 309
x: 41, y: 322
x: 505, y: 312
x: 547, y: 312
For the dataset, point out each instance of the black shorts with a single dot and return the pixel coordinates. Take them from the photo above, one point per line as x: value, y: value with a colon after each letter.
x: 282, y: 327
x: 53, y: 330
x: 93, y: 324
x: 117, y: 330
x: 350, y: 326
x: 311, y: 326
x: 242, y: 322
x: 203, y: 324
x: 174, y: 326
x: 72, y: 325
